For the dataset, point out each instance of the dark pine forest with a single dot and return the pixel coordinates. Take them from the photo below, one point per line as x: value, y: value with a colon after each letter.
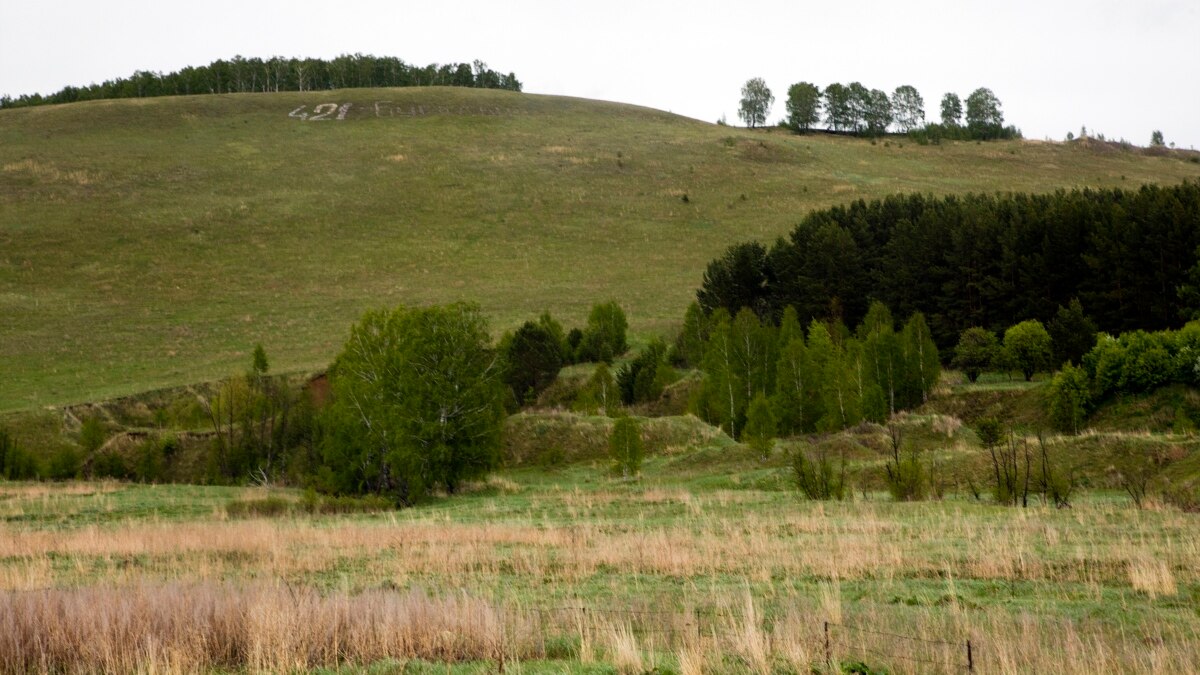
x: 1130, y: 257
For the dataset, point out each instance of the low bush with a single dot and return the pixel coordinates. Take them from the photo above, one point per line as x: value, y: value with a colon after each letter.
x: 110, y: 464
x: 1184, y: 496
x: 311, y: 503
x: 266, y: 507
x: 16, y: 463
x: 816, y: 477
x: 64, y: 464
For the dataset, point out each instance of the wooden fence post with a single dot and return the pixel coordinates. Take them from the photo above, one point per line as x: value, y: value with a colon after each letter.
x: 828, y: 649
x: 970, y: 658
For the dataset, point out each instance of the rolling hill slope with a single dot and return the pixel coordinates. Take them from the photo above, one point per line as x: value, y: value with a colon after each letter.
x: 152, y: 242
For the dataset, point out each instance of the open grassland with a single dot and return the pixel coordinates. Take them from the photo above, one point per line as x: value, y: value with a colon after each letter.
x: 688, y: 570
x: 147, y: 243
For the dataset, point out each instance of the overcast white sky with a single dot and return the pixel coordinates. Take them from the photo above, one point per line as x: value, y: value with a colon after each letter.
x: 1122, y: 67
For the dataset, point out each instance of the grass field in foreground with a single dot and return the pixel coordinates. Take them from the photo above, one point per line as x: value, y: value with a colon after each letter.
x: 151, y: 243
x: 713, y: 569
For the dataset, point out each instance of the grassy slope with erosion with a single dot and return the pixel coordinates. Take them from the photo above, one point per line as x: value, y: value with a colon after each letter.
x: 147, y: 243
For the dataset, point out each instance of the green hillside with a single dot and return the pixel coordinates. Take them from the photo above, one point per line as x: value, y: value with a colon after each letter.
x: 145, y: 243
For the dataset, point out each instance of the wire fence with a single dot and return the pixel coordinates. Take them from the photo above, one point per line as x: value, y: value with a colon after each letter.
x: 951, y: 655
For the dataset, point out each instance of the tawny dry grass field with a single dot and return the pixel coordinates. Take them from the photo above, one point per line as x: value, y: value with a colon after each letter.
x: 152, y: 243
x: 572, y: 570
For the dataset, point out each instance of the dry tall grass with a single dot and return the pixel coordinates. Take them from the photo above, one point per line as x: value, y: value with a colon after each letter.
x: 718, y: 581
x: 1090, y: 545
x: 274, y: 628
x: 265, y: 628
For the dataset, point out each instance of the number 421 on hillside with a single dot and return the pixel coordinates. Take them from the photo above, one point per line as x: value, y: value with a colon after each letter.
x: 322, y: 112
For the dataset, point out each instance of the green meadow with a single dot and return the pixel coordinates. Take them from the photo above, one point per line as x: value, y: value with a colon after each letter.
x: 710, y: 562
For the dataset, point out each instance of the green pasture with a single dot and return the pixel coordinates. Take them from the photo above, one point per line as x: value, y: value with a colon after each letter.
x: 152, y: 243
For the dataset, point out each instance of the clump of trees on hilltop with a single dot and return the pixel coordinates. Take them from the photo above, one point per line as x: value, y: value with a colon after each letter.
x: 1130, y: 257
x: 854, y: 109
x: 241, y: 75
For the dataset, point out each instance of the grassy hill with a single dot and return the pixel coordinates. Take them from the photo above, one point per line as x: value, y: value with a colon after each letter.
x: 145, y: 243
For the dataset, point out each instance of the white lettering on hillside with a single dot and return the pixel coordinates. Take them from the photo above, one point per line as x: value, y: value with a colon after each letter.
x: 325, y: 112
x: 322, y: 112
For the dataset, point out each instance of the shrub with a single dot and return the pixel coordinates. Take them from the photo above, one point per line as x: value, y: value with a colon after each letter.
x: 1070, y: 399
x: 604, y: 337
x: 150, y: 459
x: 1054, y: 484
x: 267, y: 507
x: 1139, y: 361
x: 343, y: 504
x: 1184, y: 496
x: 905, y: 480
x: 16, y: 463
x: 7, y: 446
x: 816, y: 477
x: 92, y: 435
x: 65, y: 464
x: 110, y: 464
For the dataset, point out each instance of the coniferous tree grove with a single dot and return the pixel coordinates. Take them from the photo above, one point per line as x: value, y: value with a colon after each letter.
x: 241, y: 75
x: 1129, y: 256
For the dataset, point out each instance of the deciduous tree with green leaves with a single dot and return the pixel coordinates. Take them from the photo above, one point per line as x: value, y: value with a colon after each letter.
x: 625, y: 446
x: 908, y: 108
x: 756, y: 102
x: 761, y: 428
x: 724, y: 394
x: 921, y: 356
x: 976, y: 352
x: 1027, y: 347
x: 952, y: 110
x: 877, y: 113
x: 803, y: 106
x: 860, y: 102
x: 984, y: 117
x: 1070, y: 399
x: 796, y: 388
x: 604, y: 337
x: 839, y: 108
x: 689, y: 344
x: 418, y: 402
x: 601, y: 393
